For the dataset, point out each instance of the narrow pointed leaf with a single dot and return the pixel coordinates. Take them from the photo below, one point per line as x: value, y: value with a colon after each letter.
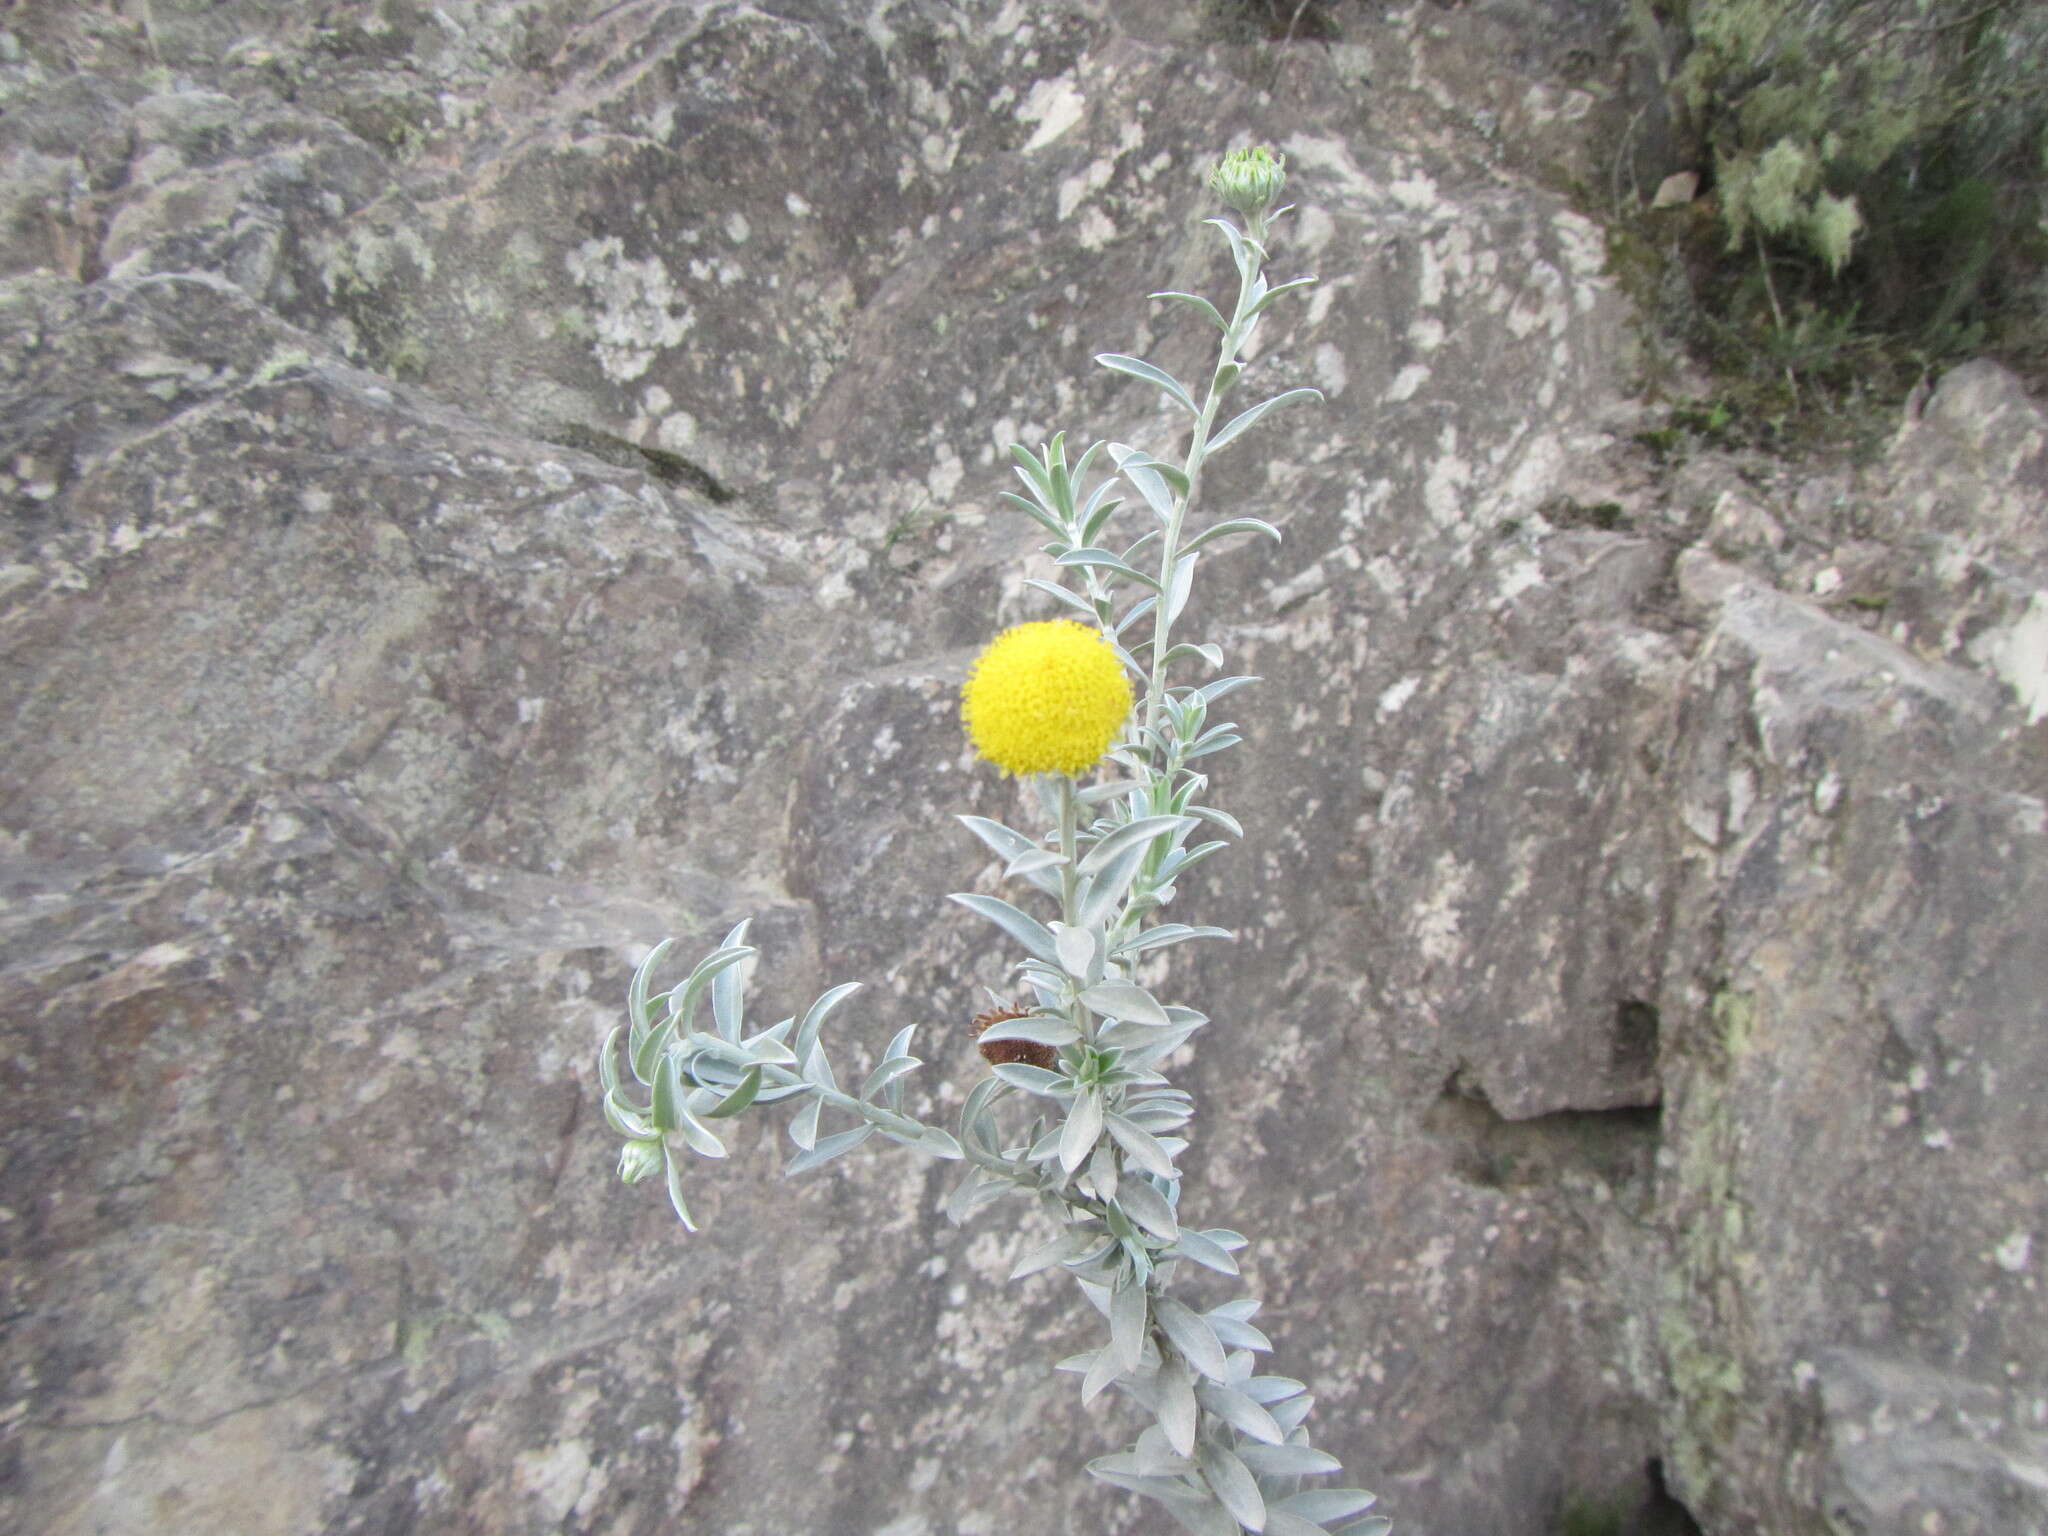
x: 1327, y: 1504
x: 815, y: 1016
x: 1138, y: 368
x: 1148, y: 1208
x: 1128, y: 1316
x: 740, y: 1097
x: 1178, y: 1415
x: 1240, y: 1413
x: 1198, y: 304
x: 1234, y: 526
x: 1034, y: 1079
x: 803, y: 1126
x: 1026, y: 930
x: 1143, y: 830
x: 1143, y: 1148
x: 1082, y: 1129
x: 675, y: 1190
x: 1192, y: 1336
x: 1276, y: 290
x: 1234, y: 1486
x: 1125, y: 1000
x: 1288, y: 1460
x: 1245, y: 419
x: 829, y: 1148
x: 729, y: 989
x: 1193, y: 1245
x: 639, y: 1009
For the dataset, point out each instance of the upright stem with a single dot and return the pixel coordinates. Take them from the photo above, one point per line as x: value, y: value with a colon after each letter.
x: 1198, y: 447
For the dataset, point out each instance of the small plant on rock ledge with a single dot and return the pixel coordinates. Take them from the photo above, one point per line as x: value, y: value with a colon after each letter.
x: 1075, y: 1114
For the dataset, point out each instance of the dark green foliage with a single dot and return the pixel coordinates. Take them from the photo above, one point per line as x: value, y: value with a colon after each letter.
x: 1876, y: 179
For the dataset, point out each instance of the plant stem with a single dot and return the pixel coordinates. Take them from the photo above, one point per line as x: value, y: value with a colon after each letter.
x: 1198, y: 445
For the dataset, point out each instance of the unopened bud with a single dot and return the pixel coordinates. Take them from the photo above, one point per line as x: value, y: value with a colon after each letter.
x: 1249, y: 180
x: 639, y: 1160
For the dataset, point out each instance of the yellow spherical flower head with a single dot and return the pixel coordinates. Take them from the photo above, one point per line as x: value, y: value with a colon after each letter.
x: 1045, y: 698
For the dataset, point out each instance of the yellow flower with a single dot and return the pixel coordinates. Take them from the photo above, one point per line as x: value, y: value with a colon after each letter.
x: 1045, y: 698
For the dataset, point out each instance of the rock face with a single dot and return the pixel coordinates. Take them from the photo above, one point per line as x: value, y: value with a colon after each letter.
x: 491, y: 486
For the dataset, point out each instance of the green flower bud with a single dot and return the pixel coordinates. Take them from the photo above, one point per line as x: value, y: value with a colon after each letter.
x: 639, y: 1160
x: 1249, y: 180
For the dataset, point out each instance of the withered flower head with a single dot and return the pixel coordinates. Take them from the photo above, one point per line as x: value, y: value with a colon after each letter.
x: 1028, y: 1052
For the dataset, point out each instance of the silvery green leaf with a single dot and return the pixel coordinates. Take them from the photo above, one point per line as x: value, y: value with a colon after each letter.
x: 1176, y: 1409
x: 1026, y: 930
x: 639, y: 1008
x: 729, y: 989
x: 1077, y: 950
x: 1233, y: 1484
x: 1148, y: 1208
x: 1124, y: 1000
x: 1161, y: 1117
x: 1031, y: 471
x: 1273, y: 1389
x: 814, y: 1019
x: 607, y: 1066
x: 653, y: 1047
x: 1327, y: 1504
x: 1102, y: 559
x: 1226, y: 375
x: 899, y: 1043
x: 1033, y: 861
x: 1202, y: 1517
x: 1091, y: 1258
x: 978, y: 1189
x: 1011, y: 846
x: 1212, y: 654
x: 1138, y: 368
x: 1099, y: 895
x: 829, y: 1148
x: 1212, y: 743
x: 668, y: 1093
x: 886, y: 1072
x: 740, y: 1097
x: 1140, y: 1146
x: 1072, y: 599
x: 1144, y: 473
x: 1245, y: 419
x: 1041, y: 1031
x: 1209, y: 693
x: 1081, y: 1131
x: 1154, y: 1456
x: 1240, y: 1412
x: 1276, y: 290
x: 1182, y: 584
x: 673, y: 1178
x: 1037, y: 513
x: 1192, y: 1245
x: 1128, y: 1316
x: 1034, y: 1079
x: 1102, y: 1373
x: 1373, y: 1525
x: 1198, y: 304
x: 976, y: 1120
x: 1280, y: 1523
x: 1192, y: 1336
x: 1288, y: 1460
x: 1102, y: 1171
x: 1290, y: 1415
x: 1101, y: 507
x: 940, y: 1144
x: 1243, y: 1309
x: 803, y: 1125
x: 1169, y: 933
x: 1232, y: 527
x: 700, y: 1136
x: 1171, y: 1492
x: 1223, y: 819
x: 1108, y: 789
x: 1137, y: 832
x: 1242, y: 248
x: 625, y: 1119
x: 1069, y: 1244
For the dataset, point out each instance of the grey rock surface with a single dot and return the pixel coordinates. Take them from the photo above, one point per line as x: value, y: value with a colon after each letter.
x: 489, y: 487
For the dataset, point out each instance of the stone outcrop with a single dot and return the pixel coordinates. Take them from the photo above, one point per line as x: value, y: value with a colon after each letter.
x: 489, y: 487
